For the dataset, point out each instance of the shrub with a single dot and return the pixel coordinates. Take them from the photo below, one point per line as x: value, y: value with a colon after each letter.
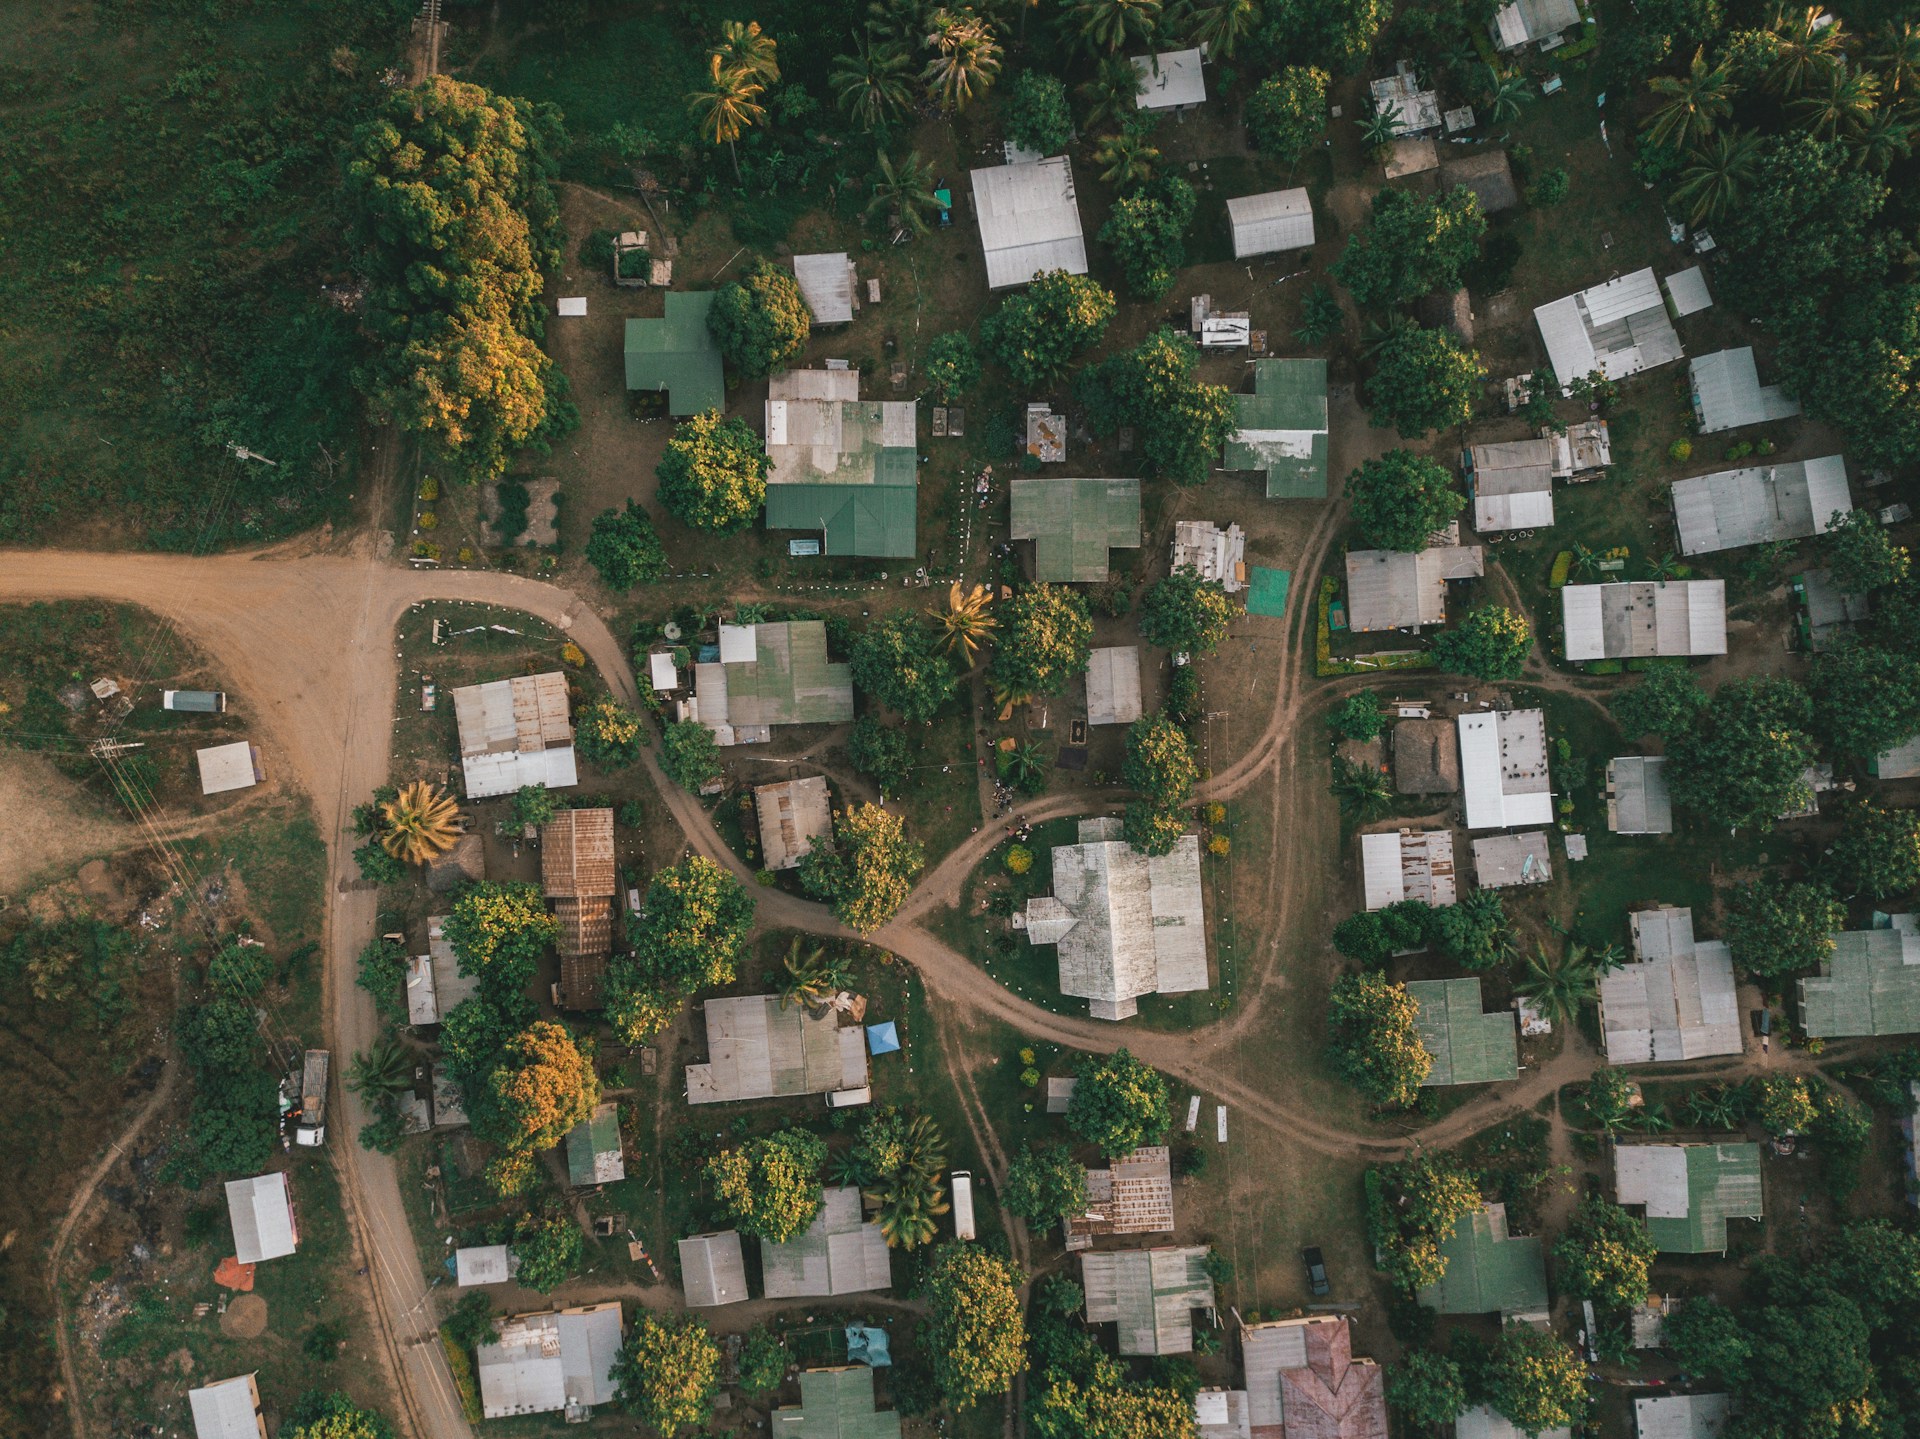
x: 1019, y: 859
x: 1680, y: 451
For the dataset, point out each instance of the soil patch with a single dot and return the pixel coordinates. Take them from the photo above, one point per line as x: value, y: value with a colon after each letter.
x: 246, y: 1317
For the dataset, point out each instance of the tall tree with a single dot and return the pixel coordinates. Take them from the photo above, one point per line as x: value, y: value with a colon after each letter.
x: 727, y: 108
x: 1046, y: 637
x: 743, y: 49
x: 667, y: 1372
x: 1427, y: 1388
x: 1423, y: 380
x: 1491, y: 642
x: 1147, y: 233
x: 1666, y: 703
x: 713, y: 475
x: 1691, y: 105
x: 689, y: 936
x: 1865, y: 699
x: 1035, y: 334
x: 899, y: 662
x: 1185, y: 613
x: 1706, y: 1338
x: 1877, y: 854
x: 1159, y: 762
x: 625, y: 548
x: 1288, y: 112
x: 1400, y: 499
x: 1719, y: 172
x: 1534, y: 1379
x: 1107, y: 25
x: 1156, y: 387
x: 965, y: 57
x: 1045, y: 1184
x: 974, y: 1330
x: 498, y: 933
x: 1037, y: 116
x: 1413, y: 245
x: 868, y: 871
x: 1413, y: 1207
x: 1119, y: 1103
x: 761, y: 322
x: 1742, y: 761
x: 1774, y: 929
x: 542, y: 1087
x: 874, y: 85
x: 1220, y: 25
x: 770, y: 1187
x: 1605, y: 1255
x: 903, y: 193
x: 1862, y: 557
x: 1374, y: 1039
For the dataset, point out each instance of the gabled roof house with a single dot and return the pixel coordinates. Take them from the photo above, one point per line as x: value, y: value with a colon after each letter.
x: 1304, y: 1383
x: 1283, y: 428
x: 1618, y: 328
x: 1676, y: 1001
x: 767, y: 675
x: 840, y: 466
x: 1760, y: 504
x: 1149, y: 1295
x: 1074, y: 523
x: 1689, y: 1191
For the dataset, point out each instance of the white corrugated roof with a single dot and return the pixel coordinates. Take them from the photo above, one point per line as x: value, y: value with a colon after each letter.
x: 1380, y: 869
x: 227, y: 766
x: 1029, y: 221
x: 1688, y: 291
x: 480, y: 1264
x: 227, y: 1410
x: 1481, y: 1422
x: 1503, y: 769
x: 738, y: 645
x: 661, y: 671
x: 1113, y: 685
x: 1268, y: 223
x: 1170, y: 79
x: 1645, y: 618
x: 1682, y: 1416
x: 1758, y: 504
x: 1569, y: 350
x: 262, y: 1216
x: 422, y: 1004
x: 1727, y: 392
x: 826, y: 283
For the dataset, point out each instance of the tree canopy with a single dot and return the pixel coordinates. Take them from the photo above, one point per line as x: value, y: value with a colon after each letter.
x: 868, y: 871
x: 1427, y: 1388
x: 1147, y: 233
x: 1605, y: 1255
x: 1666, y: 703
x: 543, y: 1085
x: 1046, y: 637
x: 549, y: 1248
x: 1358, y: 717
x: 1535, y: 1379
x: 1400, y: 499
x: 713, y: 475
x: 690, y: 754
x: 1036, y: 333
x: 667, y: 1372
x: 318, y: 1415
x: 1155, y: 387
x: 1423, y: 380
x: 1413, y: 1207
x: 1185, y: 613
x: 1861, y: 555
x: 1706, y: 1339
x: 1036, y: 113
x: 770, y: 1186
x: 1119, y: 1103
x: 1150, y: 828
x: 457, y: 222
x: 1375, y: 1039
x: 1491, y: 642
x: 1774, y: 928
x: 1413, y: 245
x: 1044, y: 1183
x: 1159, y: 762
x: 761, y: 322
x: 952, y: 366
x: 898, y: 660
x: 1877, y: 853
x: 1741, y: 763
x: 625, y: 548
x: 975, y: 1332
x: 1288, y: 112
x: 498, y: 933
x: 689, y: 936
x: 1865, y: 699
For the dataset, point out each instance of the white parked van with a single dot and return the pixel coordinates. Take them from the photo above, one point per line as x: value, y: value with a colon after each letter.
x: 962, y: 1203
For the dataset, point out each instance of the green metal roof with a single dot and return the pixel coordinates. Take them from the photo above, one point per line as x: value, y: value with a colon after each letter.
x: 589, y: 1139
x: 836, y: 1404
x: 1073, y: 523
x: 678, y: 354
x: 1468, y: 1047
x: 1283, y: 428
x: 1870, y: 984
x: 1723, y: 1182
x: 860, y: 519
x: 792, y: 681
x: 1489, y: 1270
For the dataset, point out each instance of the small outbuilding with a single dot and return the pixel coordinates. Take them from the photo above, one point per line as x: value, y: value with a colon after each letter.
x: 1728, y: 395
x: 1407, y: 864
x: 1426, y: 757
x: 1828, y: 611
x: 713, y: 1269
x: 595, y: 1154
x: 1687, y: 289
x: 261, y: 1210
x: 229, y: 1409
x: 1511, y: 485
x: 1271, y: 223
x: 478, y: 1264
x: 794, y: 814
x: 826, y: 284
x: 1211, y: 552
x: 1171, y: 80
x: 1113, y: 685
x: 1637, y: 797
x: 1504, y: 861
x: 225, y: 767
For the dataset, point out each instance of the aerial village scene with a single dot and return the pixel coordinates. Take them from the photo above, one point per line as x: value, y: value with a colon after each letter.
x: 1085, y: 719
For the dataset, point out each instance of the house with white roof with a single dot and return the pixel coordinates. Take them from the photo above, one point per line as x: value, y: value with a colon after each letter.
x: 1211, y: 552
x: 1521, y: 23
x: 1029, y: 221
x: 1270, y: 223
x: 225, y: 767
x: 261, y: 1209
x: 1407, y: 864
x: 1502, y: 861
x: 1503, y: 769
x: 1484, y: 1422
x: 1113, y: 685
x: 1418, y: 110
x: 1759, y: 504
x: 1393, y: 590
x: 558, y: 1362
x: 1618, y: 328
x: 713, y: 1269
x: 826, y: 284
x: 841, y: 467
x: 1511, y: 485
x: 1682, y: 1416
x: 1644, y: 618
x: 1727, y: 393
x: 1638, y: 801
x: 229, y: 1409
x: 515, y: 732
x: 1676, y: 1001
x: 1171, y: 80
x: 1126, y: 923
x: 476, y: 1264
x: 841, y: 1252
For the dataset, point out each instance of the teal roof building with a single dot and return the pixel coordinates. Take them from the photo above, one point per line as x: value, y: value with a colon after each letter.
x: 836, y: 1404
x: 845, y: 468
x: 1283, y: 428
x: 1468, y: 1047
x: 677, y: 354
x: 1074, y: 523
x: 594, y: 1155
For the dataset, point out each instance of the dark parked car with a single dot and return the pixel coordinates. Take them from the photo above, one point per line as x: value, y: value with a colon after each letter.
x: 1316, y: 1272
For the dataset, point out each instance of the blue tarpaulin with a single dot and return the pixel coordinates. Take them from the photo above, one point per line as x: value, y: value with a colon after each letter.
x: 883, y: 1038
x: 868, y: 1347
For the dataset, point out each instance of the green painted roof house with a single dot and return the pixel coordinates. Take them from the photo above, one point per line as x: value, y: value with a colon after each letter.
x: 836, y: 1404
x: 1690, y: 1191
x: 1283, y: 428
x: 1468, y: 1047
x: 678, y: 354
x: 1870, y: 984
x: 843, y: 467
x: 1489, y: 1270
x: 1073, y: 523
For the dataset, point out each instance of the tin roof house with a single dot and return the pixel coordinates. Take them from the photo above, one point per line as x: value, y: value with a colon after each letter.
x: 261, y: 1211
x: 1869, y: 984
x: 1074, y: 523
x: 1468, y: 1045
x: 1521, y: 23
x: 1029, y: 221
x: 1171, y: 80
x: 1394, y: 590
x: 1645, y: 618
x: 841, y: 466
x: 1682, y: 1416
x: 794, y: 814
x: 1760, y: 504
x: 1407, y: 864
x: 839, y: 1253
x: 1676, y: 1001
x: 557, y: 1362
x: 1503, y: 768
x: 1511, y: 485
x: 759, y: 1049
x: 713, y: 1269
x: 1618, y: 328
x: 1283, y: 428
x: 767, y: 675
x: 835, y: 1403
x: 578, y: 876
x: 1637, y: 798
x: 1126, y: 923
x: 515, y: 732
x: 1727, y: 393
x: 1689, y: 1191
x: 678, y: 355
x: 1484, y: 1422
x: 826, y: 284
x: 229, y: 1409
x: 1113, y: 685
x: 1148, y: 1294
x: 1490, y: 1270
x: 1132, y: 1195
x: 1303, y: 1381
x: 1270, y: 223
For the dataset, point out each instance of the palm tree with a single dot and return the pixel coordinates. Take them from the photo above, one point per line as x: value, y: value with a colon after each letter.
x: 1558, y: 984
x: 1811, y: 43
x: 1607, y: 1101
x: 1111, y: 93
x: 1896, y: 51
x: 905, y: 190
x: 813, y: 974
x: 1382, y: 332
x: 1010, y: 699
x: 1664, y: 568
x: 752, y: 613
x: 1722, y: 168
x: 743, y: 50
x: 1695, y: 103
x: 417, y: 825
x: 1024, y: 765
x: 1220, y: 25
x: 1843, y: 105
x: 1505, y: 95
x: 966, y: 621
x: 1585, y: 562
x: 384, y: 1070
x: 1653, y: 1119
x: 1128, y: 159
x: 1887, y: 137
x: 908, y: 1208
x: 1364, y: 791
x: 966, y: 57
x: 1378, y: 129
x: 875, y: 83
x: 1107, y: 24
x: 726, y: 110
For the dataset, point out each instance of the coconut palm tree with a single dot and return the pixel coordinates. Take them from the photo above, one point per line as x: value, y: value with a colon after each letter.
x: 1843, y: 103
x: 1887, y: 137
x: 1219, y: 26
x: 1009, y: 699
x: 386, y: 1069
x: 744, y: 50
x: 1127, y: 159
x: 1694, y: 103
x: 418, y: 824
x: 1024, y: 767
x: 1364, y: 792
x: 1382, y: 331
x: 726, y: 110
x: 875, y: 83
x: 908, y: 1207
x: 966, y: 621
x: 1723, y: 166
x: 1896, y: 53
x: 1506, y: 94
x: 1811, y: 43
x: 1377, y: 130
x: 1558, y: 984
x: 1106, y: 25
x: 905, y: 190
x: 966, y: 57
x: 1110, y: 94
x: 813, y: 974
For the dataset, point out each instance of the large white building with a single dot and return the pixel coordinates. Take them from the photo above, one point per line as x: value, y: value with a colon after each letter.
x: 1645, y: 618
x: 1619, y: 328
x: 546, y: 1363
x: 1029, y: 221
x: 1503, y: 769
x: 515, y: 732
x: 1759, y: 504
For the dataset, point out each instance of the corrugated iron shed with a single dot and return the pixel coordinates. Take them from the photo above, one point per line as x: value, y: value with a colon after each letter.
x: 1690, y: 1191
x: 678, y: 354
x: 793, y: 814
x: 1620, y: 328
x: 1283, y: 428
x: 1407, y: 864
x: 229, y: 1409
x: 713, y: 1269
x: 261, y: 1211
x: 840, y: 1253
x: 1682, y: 1416
x: 1644, y: 618
x: 1759, y: 504
x: 1727, y: 393
x: 826, y: 284
x: 1869, y: 984
x: 594, y: 1152
x: 1637, y: 797
x: 758, y: 1049
x: 1149, y: 1294
x: 836, y: 1404
x: 1171, y: 80
x: 1512, y: 485
x: 1113, y: 685
x: 1269, y: 223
